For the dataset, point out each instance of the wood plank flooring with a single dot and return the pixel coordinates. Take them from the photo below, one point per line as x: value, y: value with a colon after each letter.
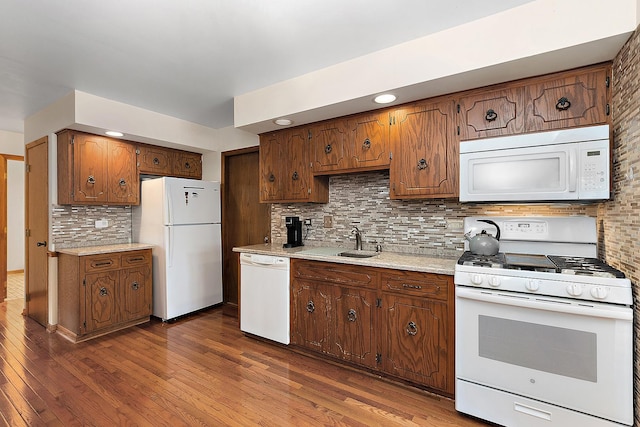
x: 201, y: 371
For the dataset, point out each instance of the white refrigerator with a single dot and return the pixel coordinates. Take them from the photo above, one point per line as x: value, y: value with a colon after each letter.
x: 181, y: 218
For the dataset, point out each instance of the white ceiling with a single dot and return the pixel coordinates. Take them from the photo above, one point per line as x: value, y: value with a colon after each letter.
x: 189, y: 58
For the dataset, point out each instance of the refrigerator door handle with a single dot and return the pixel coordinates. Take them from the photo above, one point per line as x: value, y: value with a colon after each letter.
x: 170, y: 246
x: 168, y: 207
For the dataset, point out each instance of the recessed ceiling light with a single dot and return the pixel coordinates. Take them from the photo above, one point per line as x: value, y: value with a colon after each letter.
x: 283, y: 122
x: 114, y: 133
x: 385, y: 98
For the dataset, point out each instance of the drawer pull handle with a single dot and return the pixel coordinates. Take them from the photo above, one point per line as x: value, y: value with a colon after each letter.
x: 135, y: 286
x: 103, y: 291
x: 156, y: 161
x: 91, y: 179
x: 187, y: 165
x: 351, y: 315
x: 491, y: 115
x: 122, y: 182
x: 327, y: 149
x: 136, y: 259
x: 295, y: 176
x: 366, y: 144
x: 563, y: 104
x: 412, y: 328
x: 272, y: 177
x: 102, y: 263
x: 422, y: 164
x: 311, y: 307
x: 407, y: 285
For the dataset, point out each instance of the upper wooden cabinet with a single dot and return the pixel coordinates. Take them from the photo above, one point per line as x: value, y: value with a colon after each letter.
x: 96, y: 170
x: 569, y: 99
x: 285, y: 172
x: 162, y: 161
x: 425, y: 150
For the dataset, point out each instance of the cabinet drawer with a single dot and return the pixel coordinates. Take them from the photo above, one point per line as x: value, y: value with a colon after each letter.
x: 427, y: 285
x: 102, y: 262
x: 135, y: 258
x: 341, y: 274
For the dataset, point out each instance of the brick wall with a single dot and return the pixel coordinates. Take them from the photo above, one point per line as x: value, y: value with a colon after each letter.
x: 620, y: 218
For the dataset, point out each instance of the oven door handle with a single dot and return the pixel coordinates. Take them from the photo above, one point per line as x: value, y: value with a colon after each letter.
x: 607, y: 311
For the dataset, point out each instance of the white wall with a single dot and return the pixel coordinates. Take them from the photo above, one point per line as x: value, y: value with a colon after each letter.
x: 15, y: 215
x: 11, y: 143
x: 227, y: 139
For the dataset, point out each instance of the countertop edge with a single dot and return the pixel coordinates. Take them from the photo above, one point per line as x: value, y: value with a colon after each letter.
x: 392, y: 260
x: 104, y: 249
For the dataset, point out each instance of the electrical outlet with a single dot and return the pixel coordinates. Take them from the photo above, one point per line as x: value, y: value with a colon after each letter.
x: 307, y: 222
x: 328, y: 221
x: 101, y: 223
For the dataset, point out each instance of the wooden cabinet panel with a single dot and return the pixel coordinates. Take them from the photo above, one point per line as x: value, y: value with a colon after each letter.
x: 417, y: 284
x: 328, y: 146
x: 102, y: 300
x: 124, y: 185
x: 310, y: 311
x: 340, y: 274
x: 353, y: 317
x: 90, y: 168
x: 136, y: 285
x: 425, y: 151
x: 296, y: 183
x: 369, y: 141
x: 155, y: 160
x: 492, y: 113
x: 187, y: 165
x: 415, y: 340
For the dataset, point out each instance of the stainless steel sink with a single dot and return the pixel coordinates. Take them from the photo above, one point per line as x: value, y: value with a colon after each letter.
x: 359, y: 254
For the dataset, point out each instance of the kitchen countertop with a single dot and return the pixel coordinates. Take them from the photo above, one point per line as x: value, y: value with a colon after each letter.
x: 104, y: 249
x: 398, y: 261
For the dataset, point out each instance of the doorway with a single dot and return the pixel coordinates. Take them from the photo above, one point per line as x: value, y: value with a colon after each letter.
x: 245, y: 220
x: 11, y: 226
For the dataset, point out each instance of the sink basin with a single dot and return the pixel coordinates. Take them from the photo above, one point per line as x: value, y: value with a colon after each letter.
x: 359, y: 254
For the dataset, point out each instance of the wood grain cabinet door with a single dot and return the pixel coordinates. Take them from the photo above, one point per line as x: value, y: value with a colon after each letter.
x: 494, y: 113
x: 297, y: 174
x: 310, y: 315
x: 271, y: 152
x: 90, y: 174
x: 155, y: 160
x: 425, y: 151
x: 124, y: 186
x: 369, y: 141
x: 187, y: 165
x: 328, y: 146
x: 415, y: 341
x: 135, y: 284
x: 353, y: 320
x: 101, y: 300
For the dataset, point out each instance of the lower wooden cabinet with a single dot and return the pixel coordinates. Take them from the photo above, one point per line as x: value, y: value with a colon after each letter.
x: 103, y: 293
x: 394, y: 322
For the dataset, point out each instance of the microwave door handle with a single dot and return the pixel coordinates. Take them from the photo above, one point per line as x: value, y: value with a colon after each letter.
x: 573, y: 176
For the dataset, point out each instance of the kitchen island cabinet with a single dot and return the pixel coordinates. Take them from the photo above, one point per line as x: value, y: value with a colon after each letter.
x: 103, y: 292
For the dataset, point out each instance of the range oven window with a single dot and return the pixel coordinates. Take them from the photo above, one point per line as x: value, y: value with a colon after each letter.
x: 561, y: 351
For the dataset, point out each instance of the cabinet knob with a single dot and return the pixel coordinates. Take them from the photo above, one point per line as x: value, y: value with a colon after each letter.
x: 103, y: 291
x: 135, y: 286
x: 328, y: 148
x: 295, y: 176
x: 122, y: 182
x: 422, y: 164
x: 366, y: 144
x: 563, y: 104
x: 491, y: 115
x: 311, y: 307
x: 91, y: 179
x: 156, y: 161
x: 351, y: 315
x: 272, y: 177
x: 187, y: 165
x: 412, y: 328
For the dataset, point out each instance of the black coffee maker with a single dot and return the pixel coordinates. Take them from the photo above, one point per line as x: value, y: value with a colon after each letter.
x: 294, y: 232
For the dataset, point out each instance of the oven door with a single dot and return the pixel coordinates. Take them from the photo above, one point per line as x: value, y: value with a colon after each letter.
x: 574, y: 354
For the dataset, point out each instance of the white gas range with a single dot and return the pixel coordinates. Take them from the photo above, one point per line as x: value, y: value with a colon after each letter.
x: 543, y: 328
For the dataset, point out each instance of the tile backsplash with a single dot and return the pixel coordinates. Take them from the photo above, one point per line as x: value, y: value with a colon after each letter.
x: 426, y: 226
x: 74, y: 226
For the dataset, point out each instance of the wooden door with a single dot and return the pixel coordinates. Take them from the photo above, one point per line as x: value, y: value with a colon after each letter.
x: 494, y: 113
x: 328, y: 146
x: 37, y: 224
x: 353, y: 311
x: 155, y: 160
x: 311, y: 315
x: 369, y: 141
x: 101, y: 300
x: 297, y: 176
x: 271, y: 173
x: 3, y: 227
x: 135, y: 284
x: 187, y: 165
x: 90, y: 167
x: 124, y: 185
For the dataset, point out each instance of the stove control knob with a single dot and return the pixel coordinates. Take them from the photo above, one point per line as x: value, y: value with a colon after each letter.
x: 574, y: 290
x: 599, y: 292
x: 476, y: 279
x: 494, y: 281
x: 532, y: 285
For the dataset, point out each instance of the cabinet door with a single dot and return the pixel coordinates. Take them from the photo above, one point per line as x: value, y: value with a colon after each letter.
x: 369, y: 141
x: 328, y: 146
x: 571, y: 99
x: 135, y: 284
x: 101, y: 300
x: 90, y: 166
x: 123, y: 186
x: 492, y: 113
x: 187, y: 165
x: 155, y: 160
x: 425, y: 151
x: 414, y: 345
x: 310, y: 315
x: 353, y: 320
x: 296, y: 177
x: 271, y: 151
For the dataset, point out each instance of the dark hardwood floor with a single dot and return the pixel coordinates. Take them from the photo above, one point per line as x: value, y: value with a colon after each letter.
x: 200, y: 370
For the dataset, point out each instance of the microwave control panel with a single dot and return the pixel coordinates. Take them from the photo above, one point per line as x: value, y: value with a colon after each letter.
x: 594, y: 170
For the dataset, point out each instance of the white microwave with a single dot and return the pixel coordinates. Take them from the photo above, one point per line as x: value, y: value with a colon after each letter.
x: 568, y: 164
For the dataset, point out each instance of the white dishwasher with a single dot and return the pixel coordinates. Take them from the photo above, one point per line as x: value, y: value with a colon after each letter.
x: 264, y: 296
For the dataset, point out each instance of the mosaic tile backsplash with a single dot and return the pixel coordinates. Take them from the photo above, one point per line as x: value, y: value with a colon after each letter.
x: 74, y: 226
x: 430, y: 227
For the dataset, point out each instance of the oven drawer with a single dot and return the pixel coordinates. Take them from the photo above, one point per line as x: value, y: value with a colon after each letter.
x: 574, y: 354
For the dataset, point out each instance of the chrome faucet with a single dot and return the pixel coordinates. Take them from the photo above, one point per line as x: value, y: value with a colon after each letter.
x: 356, y: 231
